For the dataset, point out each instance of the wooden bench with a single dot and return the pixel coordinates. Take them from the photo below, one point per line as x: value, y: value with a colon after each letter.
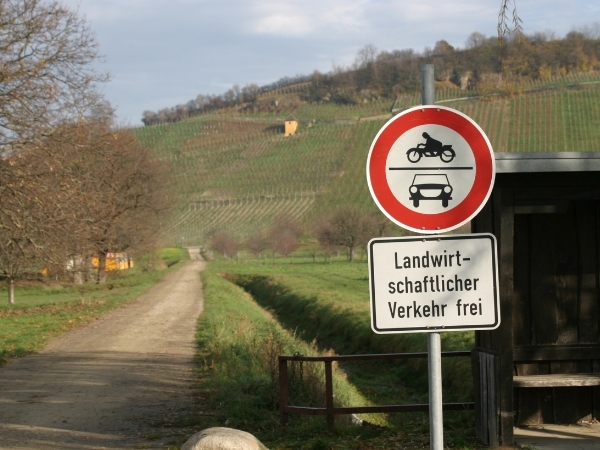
x: 556, y: 380
x: 572, y: 353
x: 556, y: 383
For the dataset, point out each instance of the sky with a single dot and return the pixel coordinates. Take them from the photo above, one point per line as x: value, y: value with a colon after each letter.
x: 161, y: 53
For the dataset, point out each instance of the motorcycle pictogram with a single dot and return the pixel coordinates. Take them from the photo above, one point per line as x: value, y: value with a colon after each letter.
x: 430, y: 149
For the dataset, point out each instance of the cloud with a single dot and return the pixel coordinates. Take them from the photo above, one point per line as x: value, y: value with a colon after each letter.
x: 310, y: 17
x: 443, y: 12
x: 289, y: 24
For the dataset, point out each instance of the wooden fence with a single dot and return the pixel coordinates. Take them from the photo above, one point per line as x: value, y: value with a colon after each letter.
x: 330, y: 410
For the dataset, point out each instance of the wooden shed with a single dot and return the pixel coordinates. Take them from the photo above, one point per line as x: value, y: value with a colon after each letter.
x: 542, y: 365
x: 290, y: 126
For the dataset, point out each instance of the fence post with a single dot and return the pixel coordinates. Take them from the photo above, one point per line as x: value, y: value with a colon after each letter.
x: 329, y: 394
x: 283, y: 390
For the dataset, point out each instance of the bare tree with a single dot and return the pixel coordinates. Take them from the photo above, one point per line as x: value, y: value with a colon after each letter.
x: 115, y: 186
x: 257, y: 243
x: 347, y: 227
x: 284, y: 242
x: 380, y: 223
x: 149, y: 117
x: 475, y: 39
x: 36, y: 220
x: 313, y: 251
x: 589, y: 31
x: 285, y: 222
x: 284, y: 235
x: 365, y: 56
x: 20, y: 234
x: 130, y: 200
x: 504, y: 27
x: 322, y: 229
x: 46, y: 75
x: 250, y: 93
x: 224, y: 243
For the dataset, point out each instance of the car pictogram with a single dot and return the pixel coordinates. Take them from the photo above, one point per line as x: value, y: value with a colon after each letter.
x: 430, y: 187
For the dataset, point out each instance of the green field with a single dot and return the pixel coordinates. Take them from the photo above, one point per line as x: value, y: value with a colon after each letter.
x: 297, y: 305
x: 235, y: 170
x: 334, y: 297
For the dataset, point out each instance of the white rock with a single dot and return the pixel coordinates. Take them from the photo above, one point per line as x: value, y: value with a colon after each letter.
x: 221, y: 438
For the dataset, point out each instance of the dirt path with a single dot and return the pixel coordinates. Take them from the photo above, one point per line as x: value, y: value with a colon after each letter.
x: 115, y: 383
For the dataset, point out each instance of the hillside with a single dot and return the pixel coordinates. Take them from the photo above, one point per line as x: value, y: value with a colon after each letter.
x: 234, y: 169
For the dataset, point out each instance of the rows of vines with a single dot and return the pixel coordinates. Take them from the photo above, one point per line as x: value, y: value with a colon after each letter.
x: 237, y: 171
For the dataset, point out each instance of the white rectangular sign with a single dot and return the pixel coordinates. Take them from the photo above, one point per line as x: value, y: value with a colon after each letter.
x: 435, y: 283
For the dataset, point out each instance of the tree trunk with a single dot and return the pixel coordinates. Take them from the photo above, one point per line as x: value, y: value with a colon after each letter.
x: 11, y: 291
x: 78, y: 269
x: 101, y: 275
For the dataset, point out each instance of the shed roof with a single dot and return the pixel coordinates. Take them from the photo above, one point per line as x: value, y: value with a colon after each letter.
x: 547, y: 162
x: 290, y: 118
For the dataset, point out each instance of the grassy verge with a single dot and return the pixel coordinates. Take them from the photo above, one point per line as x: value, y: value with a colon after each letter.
x: 44, y: 311
x: 329, y: 304
x: 323, y: 307
x: 238, y: 375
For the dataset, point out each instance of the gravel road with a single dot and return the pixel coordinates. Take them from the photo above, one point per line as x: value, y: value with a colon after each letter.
x: 115, y: 383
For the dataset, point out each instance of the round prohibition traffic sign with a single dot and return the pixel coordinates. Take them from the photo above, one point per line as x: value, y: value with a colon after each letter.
x: 431, y: 169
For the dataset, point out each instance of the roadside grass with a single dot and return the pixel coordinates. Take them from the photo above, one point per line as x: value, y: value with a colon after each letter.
x: 238, y: 373
x: 172, y: 255
x: 44, y: 311
x: 329, y: 303
x: 298, y: 305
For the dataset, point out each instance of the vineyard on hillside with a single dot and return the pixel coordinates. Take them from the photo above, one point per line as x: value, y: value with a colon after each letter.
x: 234, y: 170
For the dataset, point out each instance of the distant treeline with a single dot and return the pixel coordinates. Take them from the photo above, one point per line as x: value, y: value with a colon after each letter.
x: 482, y: 64
x: 205, y: 103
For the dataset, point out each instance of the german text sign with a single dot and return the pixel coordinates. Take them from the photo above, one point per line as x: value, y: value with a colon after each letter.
x: 441, y: 283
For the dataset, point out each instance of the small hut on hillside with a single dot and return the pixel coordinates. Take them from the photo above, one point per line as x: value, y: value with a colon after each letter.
x: 291, y: 125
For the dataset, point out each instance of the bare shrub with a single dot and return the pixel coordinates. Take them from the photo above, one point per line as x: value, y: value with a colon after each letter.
x: 284, y: 235
x: 322, y: 229
x: 284, y: 242
x: 257, y: 243
x: 347, y: 227
x: 225, y: 244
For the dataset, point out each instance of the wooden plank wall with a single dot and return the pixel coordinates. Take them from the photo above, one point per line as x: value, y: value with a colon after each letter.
x: 485, y: 368
x: 497, y: 217
x: 557, y: 306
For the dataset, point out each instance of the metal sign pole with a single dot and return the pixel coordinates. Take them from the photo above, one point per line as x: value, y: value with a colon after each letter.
x: 436, y: 418
x: 434, y: 345
x: 428, y: 89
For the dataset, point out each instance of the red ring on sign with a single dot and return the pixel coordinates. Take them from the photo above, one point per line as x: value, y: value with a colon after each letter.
x: 484, y: 163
